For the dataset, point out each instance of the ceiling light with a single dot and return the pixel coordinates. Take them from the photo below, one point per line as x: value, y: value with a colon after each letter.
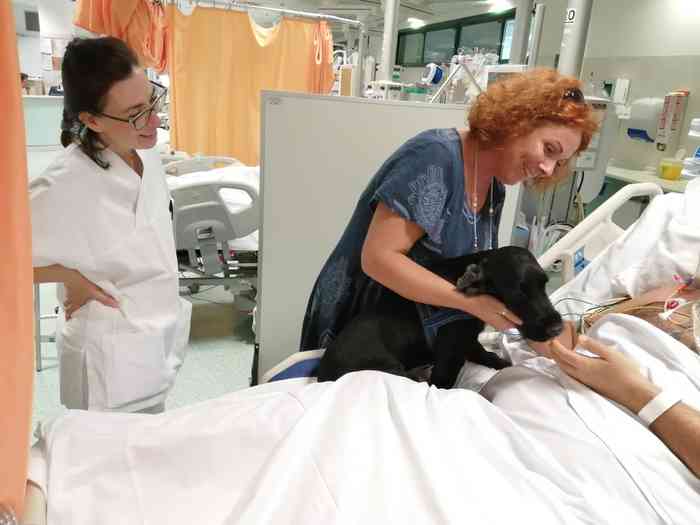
x: 498, y: 6
x: 415, y: 23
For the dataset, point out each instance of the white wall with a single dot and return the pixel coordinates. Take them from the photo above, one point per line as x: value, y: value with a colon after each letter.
x: 628, y: 28
x: 633, y: 28
x: 29, y: 50
x: 28, y: 43
x: 655, y: 44
x: 18, y: 10
x: 56, y: 18
x: 552, y: 30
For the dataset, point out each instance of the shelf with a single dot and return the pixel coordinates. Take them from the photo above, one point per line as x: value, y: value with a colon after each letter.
x: 44, y: 97
x: 633, y: 176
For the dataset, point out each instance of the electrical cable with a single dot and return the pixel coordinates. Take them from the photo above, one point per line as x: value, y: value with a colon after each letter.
x: 551, y: 206
x: 571, y: 196
x: 579, y: 200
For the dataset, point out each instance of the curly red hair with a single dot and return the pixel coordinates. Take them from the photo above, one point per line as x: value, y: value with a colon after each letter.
x: 520, y: 103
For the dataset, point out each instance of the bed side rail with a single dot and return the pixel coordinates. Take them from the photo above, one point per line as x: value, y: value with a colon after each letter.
x: 600, y: 219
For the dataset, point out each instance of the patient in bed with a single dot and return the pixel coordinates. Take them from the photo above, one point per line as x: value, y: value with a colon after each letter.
x: 668, y: 308
x: 618, y: 377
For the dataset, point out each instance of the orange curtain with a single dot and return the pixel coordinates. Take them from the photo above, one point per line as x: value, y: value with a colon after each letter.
x: 221, y: 60
x: 139, y: 23
x: 16, y: 326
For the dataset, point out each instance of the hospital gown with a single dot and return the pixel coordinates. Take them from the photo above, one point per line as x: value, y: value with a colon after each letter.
x: 423, y: 182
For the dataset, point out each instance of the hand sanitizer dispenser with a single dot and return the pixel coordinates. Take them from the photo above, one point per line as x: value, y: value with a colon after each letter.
x: 643, y: 121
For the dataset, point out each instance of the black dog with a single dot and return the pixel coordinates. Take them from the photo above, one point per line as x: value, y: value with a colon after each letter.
x: 391, y: 337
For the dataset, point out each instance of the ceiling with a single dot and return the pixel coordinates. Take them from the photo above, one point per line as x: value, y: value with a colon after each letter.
x: 371, y: 11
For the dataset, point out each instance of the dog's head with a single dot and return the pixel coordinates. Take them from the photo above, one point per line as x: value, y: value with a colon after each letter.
x: 513, y: 276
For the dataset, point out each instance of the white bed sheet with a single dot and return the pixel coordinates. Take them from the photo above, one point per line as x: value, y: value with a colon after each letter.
x: 370, y: 448
x: 612, y: 457
x: 374, y: 448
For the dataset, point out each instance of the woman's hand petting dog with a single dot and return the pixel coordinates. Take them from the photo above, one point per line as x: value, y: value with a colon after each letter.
x: 492, y: 312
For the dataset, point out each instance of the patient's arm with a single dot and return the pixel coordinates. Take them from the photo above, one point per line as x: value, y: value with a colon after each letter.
x: 618, y: 378
x: 79, y: 290
x: 679, y: 428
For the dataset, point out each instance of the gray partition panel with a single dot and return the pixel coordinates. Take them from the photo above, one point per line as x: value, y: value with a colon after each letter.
x: 317, y: 155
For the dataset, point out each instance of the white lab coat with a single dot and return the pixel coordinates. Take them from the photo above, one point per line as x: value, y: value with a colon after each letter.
x: 115, y: 228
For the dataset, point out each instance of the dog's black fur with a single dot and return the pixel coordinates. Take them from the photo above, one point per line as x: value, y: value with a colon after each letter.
x: 391, y: 337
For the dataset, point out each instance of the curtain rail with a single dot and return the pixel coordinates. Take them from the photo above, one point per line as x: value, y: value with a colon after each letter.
x: 239, y: 6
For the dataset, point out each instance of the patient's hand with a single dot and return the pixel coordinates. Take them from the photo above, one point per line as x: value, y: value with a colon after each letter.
x: 568, y: 338
x: 612, y: 374
x: 80, y: 290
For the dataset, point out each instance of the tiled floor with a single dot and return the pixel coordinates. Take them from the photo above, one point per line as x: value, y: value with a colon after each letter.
x: 218, y: 361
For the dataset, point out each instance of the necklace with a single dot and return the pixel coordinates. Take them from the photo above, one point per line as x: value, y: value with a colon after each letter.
x: 475, y: 202
x: 136, y: 163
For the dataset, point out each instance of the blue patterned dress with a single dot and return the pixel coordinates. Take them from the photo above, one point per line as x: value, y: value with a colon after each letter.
x: 423, y: 181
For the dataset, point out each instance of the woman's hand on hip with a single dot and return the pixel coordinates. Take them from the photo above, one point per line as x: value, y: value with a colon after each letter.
x: 80, y: 290
x: 492, y: 312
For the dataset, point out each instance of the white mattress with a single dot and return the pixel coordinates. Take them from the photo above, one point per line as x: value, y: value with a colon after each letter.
x: 249, y: 243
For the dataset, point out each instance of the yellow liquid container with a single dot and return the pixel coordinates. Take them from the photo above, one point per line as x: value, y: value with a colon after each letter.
x: 670, y: 169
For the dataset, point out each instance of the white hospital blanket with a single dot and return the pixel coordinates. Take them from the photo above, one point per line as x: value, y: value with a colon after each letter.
x: 370, y: 448
x: 374, y: 448
x: 643, y: 482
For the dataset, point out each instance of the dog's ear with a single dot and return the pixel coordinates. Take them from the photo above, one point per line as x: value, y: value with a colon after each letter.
x: 472, y: 282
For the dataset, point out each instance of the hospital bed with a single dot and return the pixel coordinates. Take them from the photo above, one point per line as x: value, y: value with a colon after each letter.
x: 306, y: 449
x: 216, y: 218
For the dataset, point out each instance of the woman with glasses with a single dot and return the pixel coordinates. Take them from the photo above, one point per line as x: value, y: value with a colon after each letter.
x: 440, y: 196
x: 101, y: 227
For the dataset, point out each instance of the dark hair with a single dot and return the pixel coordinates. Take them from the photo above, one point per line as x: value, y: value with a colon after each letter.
x: 90, y: 67
x: 23, y: 76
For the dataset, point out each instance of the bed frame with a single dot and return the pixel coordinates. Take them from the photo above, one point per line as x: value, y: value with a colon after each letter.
x: 594, y: 233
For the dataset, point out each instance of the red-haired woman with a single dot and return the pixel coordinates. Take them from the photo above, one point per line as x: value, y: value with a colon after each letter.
x: 440, y: 196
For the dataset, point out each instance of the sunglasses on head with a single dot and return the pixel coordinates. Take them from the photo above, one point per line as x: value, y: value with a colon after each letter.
x: 574, y: 95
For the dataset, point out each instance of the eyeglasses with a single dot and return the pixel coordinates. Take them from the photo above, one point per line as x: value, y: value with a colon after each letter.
x: 139, y: 121
x: 574, y: 95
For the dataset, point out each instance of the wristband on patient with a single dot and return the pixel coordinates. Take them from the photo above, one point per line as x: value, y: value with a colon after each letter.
x: 663, y: 401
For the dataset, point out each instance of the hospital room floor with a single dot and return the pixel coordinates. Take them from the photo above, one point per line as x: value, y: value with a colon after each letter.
x: 218, y: 360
